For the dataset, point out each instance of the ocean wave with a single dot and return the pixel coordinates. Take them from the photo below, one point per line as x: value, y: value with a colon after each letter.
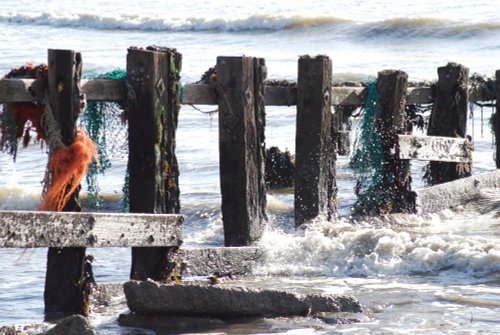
x: 255, y: 22
x: 346, y: 250
x: 424, y: 27
x: 393, y: 27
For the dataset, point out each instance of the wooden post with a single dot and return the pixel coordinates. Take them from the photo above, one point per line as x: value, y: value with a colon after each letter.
x: 449, y: 119
x: 154, y: 74
x: 396, y: 179
x: 497, y: 119
x: 68, y: 275
x: 315, y: 187
x: 240, y: 88
x: 260, y: 75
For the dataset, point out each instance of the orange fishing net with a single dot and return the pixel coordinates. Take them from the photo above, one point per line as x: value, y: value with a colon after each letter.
x: 68, y: 165
x: 24, y: 112
x: 28, y: 111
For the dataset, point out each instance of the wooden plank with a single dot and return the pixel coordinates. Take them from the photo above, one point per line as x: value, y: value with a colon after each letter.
x: 240, y: 150
x: 14, y: 90
x: 198, y: 94
x: 434, y: 148
x: 104, y: 89
x: 280, y: 96
x: 419, y: 95
x: 349, y: 95
x: 315, y: 186
x: 458, y: 192
x: 31, y: 229
x: 22, y: 90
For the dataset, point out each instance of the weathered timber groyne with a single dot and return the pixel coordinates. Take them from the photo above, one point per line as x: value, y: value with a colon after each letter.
x: 152, y: 92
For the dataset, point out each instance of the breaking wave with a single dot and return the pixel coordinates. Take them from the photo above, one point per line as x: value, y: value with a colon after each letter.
x: 394, y: 27
x: 343, y: 249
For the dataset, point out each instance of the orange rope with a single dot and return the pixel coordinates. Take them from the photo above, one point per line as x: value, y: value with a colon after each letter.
x: 68, y: 165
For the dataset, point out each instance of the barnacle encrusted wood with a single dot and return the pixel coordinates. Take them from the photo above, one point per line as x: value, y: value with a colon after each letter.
x: 27, y: 229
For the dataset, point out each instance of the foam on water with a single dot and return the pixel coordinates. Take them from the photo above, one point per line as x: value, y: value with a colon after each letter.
x: 344, y: 249
x: 419, y: 274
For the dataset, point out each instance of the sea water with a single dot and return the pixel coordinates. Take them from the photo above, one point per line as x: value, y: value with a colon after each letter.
x: 428, y: 274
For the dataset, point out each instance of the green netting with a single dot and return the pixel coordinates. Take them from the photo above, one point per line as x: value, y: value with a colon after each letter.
x: 181, y: 93
x: 368, y: 157
x: 104, y: 123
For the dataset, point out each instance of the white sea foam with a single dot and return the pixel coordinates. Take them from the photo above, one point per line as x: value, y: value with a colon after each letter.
x: 344, y: 249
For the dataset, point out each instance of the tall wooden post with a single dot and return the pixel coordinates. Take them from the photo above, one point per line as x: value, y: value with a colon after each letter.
x: 449, y: 118
x: 395, y: 186
x: 153, y: 111
x: 497, y: 119
x: 68, y: 275
x: 240, y: 88
x: 315, y: 187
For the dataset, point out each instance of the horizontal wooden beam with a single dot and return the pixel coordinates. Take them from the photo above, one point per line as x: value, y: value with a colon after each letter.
x: 12, y: 90
x: 18, y: 90
x: 30, y: 229
x: 476, y: 188
x: 435, y: 148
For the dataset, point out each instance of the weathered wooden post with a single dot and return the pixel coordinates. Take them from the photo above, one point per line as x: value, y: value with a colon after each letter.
x: 449, y: 119
x: 67, y: 275
x: 315, y: 187
x: 153, y: 110
x: 240, y: 88
x: 497, y: 119
x: 395, y: 186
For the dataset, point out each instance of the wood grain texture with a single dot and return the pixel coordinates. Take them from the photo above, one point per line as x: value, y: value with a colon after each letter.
x: 31, y: 229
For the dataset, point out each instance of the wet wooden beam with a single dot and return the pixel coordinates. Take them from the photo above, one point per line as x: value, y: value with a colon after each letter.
x: 18, y: 90
x: 233, y: 261
x: 435, y: 148
x: 455, y: 193
x: 32, y: 229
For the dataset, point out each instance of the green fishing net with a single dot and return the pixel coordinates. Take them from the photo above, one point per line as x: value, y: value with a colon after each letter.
x: 104, y: 122
x: 367, y: 160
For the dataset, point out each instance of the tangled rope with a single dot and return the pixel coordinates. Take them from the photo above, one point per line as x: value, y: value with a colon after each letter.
x: 67, y: 167
x: 67, y: 164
